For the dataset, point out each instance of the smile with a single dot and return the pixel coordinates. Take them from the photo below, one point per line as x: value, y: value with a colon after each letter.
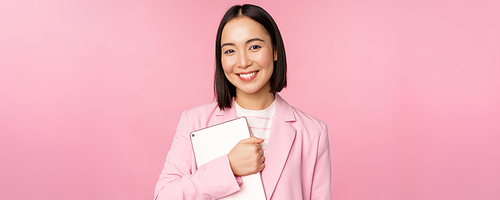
x: 248, y: 76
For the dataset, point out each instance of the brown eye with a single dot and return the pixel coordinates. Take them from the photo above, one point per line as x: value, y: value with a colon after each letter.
x: 229, y: 51
x: 255, y: 47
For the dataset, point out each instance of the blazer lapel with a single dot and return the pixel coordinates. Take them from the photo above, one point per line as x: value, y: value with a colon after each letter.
x: 278, y: 147
x: 223, y: 115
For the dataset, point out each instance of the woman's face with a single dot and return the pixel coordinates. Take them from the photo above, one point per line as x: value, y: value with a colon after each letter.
x: 247, y: 55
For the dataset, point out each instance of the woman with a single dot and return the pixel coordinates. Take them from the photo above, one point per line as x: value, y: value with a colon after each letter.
x: 290, y: 148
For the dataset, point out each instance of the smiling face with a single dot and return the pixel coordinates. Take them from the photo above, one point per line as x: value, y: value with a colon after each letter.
x: 247, y: 56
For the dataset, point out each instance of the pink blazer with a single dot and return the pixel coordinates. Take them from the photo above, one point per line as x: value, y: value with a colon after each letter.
x: 297, y: 158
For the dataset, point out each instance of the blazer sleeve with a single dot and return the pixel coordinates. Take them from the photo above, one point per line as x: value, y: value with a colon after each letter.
x: 212, y: 180
x: 321, y: 185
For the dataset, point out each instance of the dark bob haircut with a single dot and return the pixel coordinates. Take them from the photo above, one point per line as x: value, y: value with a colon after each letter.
x: 225, y: 91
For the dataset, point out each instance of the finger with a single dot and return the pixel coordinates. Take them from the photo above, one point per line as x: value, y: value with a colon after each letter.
x: 252, y: 140
x: 262, y: 166
x: 261, y: 152
x: 259, y: 140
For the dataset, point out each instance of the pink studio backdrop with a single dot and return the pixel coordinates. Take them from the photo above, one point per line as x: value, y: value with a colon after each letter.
x: 91, y: 93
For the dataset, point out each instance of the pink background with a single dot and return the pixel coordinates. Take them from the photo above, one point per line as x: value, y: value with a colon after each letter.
x: 91, y: 92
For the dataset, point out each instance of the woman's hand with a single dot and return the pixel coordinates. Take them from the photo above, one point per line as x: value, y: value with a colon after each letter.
x: 247, y: 157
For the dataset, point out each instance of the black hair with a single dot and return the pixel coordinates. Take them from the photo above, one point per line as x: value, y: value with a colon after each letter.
x: 224, y: 90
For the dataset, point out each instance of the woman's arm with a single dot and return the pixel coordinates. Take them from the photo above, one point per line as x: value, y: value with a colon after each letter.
x: 211, y: 181
x: 321, y: 185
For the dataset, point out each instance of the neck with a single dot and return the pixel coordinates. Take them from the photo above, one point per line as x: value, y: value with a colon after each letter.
x: 255, y: 101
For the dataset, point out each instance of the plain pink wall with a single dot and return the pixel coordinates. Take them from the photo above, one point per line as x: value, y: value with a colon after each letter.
x: 91, y: 92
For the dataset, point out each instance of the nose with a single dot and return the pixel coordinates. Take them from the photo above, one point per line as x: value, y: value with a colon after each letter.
x: 244, y: 60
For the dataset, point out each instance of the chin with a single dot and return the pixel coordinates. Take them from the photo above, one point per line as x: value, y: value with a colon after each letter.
x: 249, y: 90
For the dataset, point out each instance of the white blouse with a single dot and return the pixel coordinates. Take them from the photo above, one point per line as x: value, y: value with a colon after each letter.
x: 259, y: 122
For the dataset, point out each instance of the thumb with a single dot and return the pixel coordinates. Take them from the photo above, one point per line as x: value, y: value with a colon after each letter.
x: 253, y: 140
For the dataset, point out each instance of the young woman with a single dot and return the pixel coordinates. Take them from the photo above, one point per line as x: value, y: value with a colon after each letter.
x: 290, y: 148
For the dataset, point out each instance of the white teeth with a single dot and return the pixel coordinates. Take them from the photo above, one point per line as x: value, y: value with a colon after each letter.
x: 248, y: 75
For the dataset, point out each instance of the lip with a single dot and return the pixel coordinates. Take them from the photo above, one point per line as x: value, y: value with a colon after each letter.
x: 249, y: 78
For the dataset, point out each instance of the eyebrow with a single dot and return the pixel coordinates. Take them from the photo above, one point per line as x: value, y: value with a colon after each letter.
x: 248, y: 41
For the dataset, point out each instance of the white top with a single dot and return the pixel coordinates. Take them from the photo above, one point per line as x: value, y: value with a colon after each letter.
x: 259, y: 122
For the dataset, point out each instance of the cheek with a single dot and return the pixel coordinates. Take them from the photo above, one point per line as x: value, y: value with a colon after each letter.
x: 228, y: 71
x: 266, y: 60
x: 226, y: 65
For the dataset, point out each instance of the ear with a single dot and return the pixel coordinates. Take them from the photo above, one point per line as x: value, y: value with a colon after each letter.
x: 275, y: 54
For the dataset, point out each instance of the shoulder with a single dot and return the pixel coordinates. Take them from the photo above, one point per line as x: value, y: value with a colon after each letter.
x: 297, y: 118
x: 202, y: 111
x: 306, y: 120
x: 197, y: 117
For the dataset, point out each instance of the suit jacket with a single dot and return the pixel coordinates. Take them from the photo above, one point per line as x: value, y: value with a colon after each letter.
x: 297, y: 159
